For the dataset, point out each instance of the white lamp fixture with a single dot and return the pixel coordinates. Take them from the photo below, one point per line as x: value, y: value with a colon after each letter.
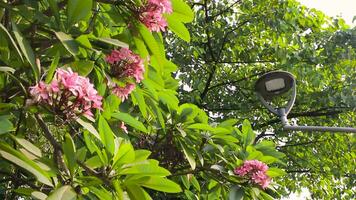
x: 276, y: 83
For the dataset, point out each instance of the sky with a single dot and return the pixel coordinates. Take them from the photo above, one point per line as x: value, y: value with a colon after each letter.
x: 344, y: 8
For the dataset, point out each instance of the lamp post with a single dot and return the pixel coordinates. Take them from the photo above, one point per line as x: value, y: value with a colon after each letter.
x: 277, y: 83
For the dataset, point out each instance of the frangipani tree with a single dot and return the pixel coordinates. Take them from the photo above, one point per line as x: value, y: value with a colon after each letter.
x: 89, y: 109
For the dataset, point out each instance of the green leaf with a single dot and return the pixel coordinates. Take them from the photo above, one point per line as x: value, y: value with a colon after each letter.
x: 141, y: 155
x: 89, y: 127
x: 146, y: 170
x: 19, y: 159
x: 28, y: 146
x: 106, y: 135
x: 24, y: 191
x: 185, y: 181
x: 84, y: 41
x: 188, y: 155
x: 110, y: 105
x: 268, y: 149
x: 136, y: 192
x: 125, y: 154
x: 248, y: 136
x: 83, y: 67
x: 3, y: 29
x: 178, y: 28
x: 274, y: 172
x: 246, y: 126
x: 63, y: 193
x: 128, y: 119
x: 78, y: 10
x: 7, y: 69
x: 140, y: 101
x: 201, y: 126
x: 69, y: 152
x: 26, y: 50
x: 195, y: 183
x: 5, y: 125
x: 162, y: 184
x: 55, y: 10
x: 52, y: 68
x: 268, y: 159
x: 68, y: 42
x: 94, y: 162
x: 38, y: 195
x: 266, y: 196
x: 169, y: 98
x: 190, y: 195
x: 101, y: 192
x: 228, y: 123
x: 182, y: 11
x: 157, y: 113
x: 114, y: 42
x: 236, y: 193
x: 253, y: 154
x: 169, y: 66
x: 118, y: 189
x: 141, y: 47
x: 151, y: 43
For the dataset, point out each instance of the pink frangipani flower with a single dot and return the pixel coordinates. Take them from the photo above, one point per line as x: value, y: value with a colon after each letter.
x: 256, y: 171
x: 123, y: 92
x: 151, y: 14
x: 126, y: 64
x: 68, y: 95
x: 126, y: 67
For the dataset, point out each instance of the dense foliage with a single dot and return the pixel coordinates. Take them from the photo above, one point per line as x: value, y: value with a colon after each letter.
x: 89, y: 109
x: 235, y: 42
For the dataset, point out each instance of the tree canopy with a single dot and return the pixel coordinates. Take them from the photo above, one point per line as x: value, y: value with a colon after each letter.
x: 235, y: 42
x: 153, y: 99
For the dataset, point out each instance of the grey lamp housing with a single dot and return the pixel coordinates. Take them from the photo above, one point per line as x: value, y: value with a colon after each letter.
x: 276, y: 83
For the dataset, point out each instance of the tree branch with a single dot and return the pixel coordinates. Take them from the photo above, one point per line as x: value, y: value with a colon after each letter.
x: 299, y: 171
x: 57, y: 154
x: 225, y: 10
x: 302, y: 143
x: 245, y: 62
x: 236, y: 81
x: 94, y: 173
x: 316, y: 113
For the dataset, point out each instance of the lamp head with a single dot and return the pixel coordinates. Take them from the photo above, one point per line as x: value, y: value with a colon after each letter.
x: 274, y: 84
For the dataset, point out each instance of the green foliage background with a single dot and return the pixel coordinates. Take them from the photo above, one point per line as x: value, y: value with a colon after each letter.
x: 235, y: 42
x: 180, y: 145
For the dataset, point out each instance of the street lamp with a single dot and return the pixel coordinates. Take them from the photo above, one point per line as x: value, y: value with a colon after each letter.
x: 276, y: 83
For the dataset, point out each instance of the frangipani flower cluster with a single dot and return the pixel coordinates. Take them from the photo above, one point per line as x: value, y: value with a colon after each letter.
x: 125, y: 65
x: 68, y: 95
x: 256, y: 171
x: 151, y: 15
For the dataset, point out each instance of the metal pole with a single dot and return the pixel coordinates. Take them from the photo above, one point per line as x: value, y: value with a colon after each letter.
x: 319, y: 128
x: 286, y: 126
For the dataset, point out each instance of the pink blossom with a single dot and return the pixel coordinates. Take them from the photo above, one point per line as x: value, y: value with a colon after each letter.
x: 153, y: 20
x: 126, y: 64
x: 164, y: 5
x: 39, y: 91
x: 68, y: 95
x: 261, y: 179
x: 54, y: 87
x: 123, y: 127
x: 151, y: 15
x: 123, y: 92
x: 256, y: 171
